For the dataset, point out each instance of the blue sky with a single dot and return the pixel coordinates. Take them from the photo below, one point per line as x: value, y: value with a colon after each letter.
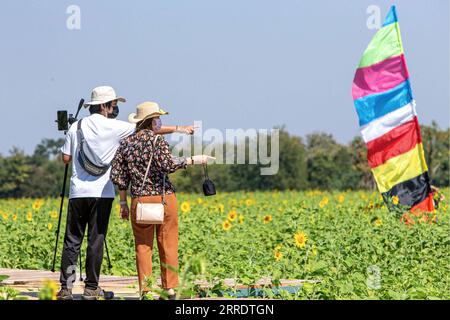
x: 231, y: 64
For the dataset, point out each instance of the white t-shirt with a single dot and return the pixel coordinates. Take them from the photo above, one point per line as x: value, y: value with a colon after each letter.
x: 103, y: 136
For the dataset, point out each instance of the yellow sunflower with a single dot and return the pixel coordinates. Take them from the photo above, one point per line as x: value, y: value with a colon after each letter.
x: 395, y: 200
x: 300, y: 239
x: 248, y: 202
x: 226, y: 225
x: 29, y: 216
x: 54, y: 214
x: 323, y: 202
x: 232, y: 215
x: 378, y: 222
x: 278, y: 255
x: 37, y: 204
x: 5, y: 216
x: 341, y: 198
x: 14, y: 217
x: 49, y: 226
x: 241, y: 219
x: 185, y: 207
x: 267, y: 219
x: 49, y: 291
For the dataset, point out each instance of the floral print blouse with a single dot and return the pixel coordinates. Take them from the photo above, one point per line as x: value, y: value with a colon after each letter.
x: 131, y: 160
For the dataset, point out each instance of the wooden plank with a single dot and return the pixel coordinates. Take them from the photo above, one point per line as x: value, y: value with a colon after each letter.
x: 37, y: 276
x: 128, y: 286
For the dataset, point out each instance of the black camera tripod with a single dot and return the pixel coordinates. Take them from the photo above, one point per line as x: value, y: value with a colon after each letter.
x: 63, y: 193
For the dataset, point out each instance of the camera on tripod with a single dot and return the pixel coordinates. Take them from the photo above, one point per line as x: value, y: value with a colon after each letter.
x: 65, y: 120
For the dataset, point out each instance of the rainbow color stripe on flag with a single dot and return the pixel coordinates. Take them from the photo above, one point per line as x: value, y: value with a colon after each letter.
x: 388, y: 120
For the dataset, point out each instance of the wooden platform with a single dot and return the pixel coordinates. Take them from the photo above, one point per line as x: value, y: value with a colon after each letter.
x: 29, y: 282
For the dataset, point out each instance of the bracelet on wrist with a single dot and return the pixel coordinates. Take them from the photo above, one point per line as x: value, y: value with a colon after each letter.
x: 123, y: 202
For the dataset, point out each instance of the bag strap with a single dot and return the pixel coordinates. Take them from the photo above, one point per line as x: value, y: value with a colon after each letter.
x: 146, y: 173
x: 81, y: 133
x: 86, y: 159
x: 205, y: 170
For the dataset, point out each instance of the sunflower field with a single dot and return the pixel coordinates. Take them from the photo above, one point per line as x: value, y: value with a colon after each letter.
x: 348, y: 242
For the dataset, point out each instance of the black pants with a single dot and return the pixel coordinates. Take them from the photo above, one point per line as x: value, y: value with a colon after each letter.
x: 93, y: 212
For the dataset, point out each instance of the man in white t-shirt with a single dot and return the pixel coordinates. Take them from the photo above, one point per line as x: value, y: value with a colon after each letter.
x: 92, y: 192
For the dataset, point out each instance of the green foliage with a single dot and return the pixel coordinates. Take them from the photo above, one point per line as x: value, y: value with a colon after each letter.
x: 330, y: 165
x: 437, y: 153
x: 39, y: 175
x: 292, y: 172
x: 14, y: 173
x: 8, y: 293
x: 318, y: 163
x: 360, y: 165
x: 347, y: 235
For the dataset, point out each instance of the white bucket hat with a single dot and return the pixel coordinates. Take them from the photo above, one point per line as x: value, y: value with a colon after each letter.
x: 146, y: 110
x: 103, y: 94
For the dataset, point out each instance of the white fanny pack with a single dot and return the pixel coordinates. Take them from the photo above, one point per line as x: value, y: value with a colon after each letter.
x: 150, y: 213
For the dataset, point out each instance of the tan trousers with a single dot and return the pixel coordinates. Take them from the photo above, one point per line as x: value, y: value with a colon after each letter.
x: 167, y: 239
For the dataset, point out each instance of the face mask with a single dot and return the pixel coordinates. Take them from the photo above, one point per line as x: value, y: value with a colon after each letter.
x: 115, y: 113
x: 156, y: 123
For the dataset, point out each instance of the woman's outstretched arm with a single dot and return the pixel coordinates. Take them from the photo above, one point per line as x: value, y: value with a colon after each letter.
x: 163, y: 159
x: 172, y: 129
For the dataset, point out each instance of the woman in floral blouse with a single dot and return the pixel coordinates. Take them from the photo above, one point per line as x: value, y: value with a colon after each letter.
x: 128, y: 170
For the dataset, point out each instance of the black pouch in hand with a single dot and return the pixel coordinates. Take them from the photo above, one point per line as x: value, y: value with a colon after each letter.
x: 208, y: 186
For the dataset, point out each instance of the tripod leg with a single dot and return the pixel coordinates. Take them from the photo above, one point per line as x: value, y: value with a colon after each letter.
x: 63, y: 191
x: 81, y: 275
x: 107, y: 255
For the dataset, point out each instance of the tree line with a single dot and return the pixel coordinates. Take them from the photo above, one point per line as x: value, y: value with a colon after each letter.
x: 317, y: 161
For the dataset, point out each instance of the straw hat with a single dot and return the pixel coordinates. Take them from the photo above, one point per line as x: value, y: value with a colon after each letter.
x: 146, y: 110
x: 103, y: 94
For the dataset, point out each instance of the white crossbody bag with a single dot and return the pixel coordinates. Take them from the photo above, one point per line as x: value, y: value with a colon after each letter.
x: 150, y: 213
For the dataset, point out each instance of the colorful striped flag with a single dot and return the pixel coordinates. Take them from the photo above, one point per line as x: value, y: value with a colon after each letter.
x: 388, y: 121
